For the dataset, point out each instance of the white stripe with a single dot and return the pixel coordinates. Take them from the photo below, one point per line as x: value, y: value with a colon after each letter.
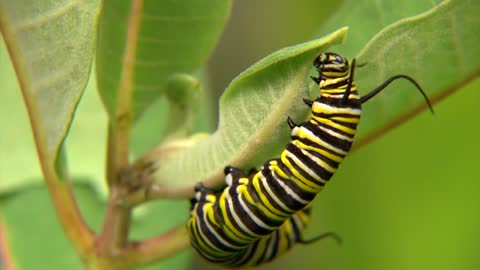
x: 269, y: 249
x: 325, y: 107
x: 229, y: 179
x: 274, y: 197
x: 336, y: 134
x: 203, y: 236
x: 253, y: 217
x: 321, y: 163
x: 292, y: 193
x: 219, y: 237
x: 320, y: 142
x: 238, y: 220
x: 304, y: 167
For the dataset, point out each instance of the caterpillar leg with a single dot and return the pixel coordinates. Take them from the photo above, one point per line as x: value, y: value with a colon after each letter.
x: 298, y: 223
x: 290, y: 123
x: 251, y: 172
x: 308, y: 102
x: 320, y: 237
x: 202, y: 195
x: 232, y: 175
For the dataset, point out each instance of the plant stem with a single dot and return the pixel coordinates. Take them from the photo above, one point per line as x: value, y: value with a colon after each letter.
x: 6, y: 257
x: 119, y: 127
x: 114, y: 235
x: 157, y: 248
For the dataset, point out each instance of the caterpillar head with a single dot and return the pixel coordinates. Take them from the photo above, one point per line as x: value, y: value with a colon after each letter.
x: 335, y: 81
x: 331, y: 65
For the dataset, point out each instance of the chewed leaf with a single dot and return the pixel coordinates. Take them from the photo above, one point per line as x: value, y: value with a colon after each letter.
x: 253, y: 112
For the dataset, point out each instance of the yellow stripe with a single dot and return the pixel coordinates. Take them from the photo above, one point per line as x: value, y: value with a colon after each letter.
x: 307, y: 134
x: 302, y: 182
x: 335, y: 73
x: 333, y: 91
x: 266, y: 207
x: 353, y: 120
x: 329, y: 122
x: 229, y: 229
x: 322, y: 152
x: 320, y: 163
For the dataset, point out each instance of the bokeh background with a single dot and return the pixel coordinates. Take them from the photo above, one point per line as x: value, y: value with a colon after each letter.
x: 409, y: 200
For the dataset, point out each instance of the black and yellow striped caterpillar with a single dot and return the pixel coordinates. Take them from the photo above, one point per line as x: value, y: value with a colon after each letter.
x: 259, y: 216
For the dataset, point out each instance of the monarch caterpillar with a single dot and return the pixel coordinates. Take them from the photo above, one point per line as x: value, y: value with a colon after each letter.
x: 260, y: 215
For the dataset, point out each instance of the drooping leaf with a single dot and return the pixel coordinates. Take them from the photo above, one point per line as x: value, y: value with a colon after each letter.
x: 253, y: 113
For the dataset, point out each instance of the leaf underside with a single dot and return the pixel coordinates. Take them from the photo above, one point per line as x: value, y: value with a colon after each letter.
x: 253, y: 113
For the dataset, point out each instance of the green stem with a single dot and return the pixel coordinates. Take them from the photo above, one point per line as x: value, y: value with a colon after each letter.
x: 114, y: 235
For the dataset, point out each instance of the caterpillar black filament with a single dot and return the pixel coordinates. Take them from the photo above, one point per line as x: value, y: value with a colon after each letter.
x: 261, y: 215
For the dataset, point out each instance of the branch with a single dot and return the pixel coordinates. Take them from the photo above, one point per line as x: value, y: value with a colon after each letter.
x: 157, y: 248
x: 119, y: 128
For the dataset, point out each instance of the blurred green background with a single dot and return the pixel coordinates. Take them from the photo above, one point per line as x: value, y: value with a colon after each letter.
x: 409, y: 200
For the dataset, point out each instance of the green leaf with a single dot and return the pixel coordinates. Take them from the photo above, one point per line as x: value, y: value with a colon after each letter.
x: 173, y: 37
x: 185, y: 96
x: 153, y: 126
x: 253, y: 113
x: 365, y: 18
x: 51, y: 45
x: 19, y: 165
x: 33, y: 232
x: 436, y: 48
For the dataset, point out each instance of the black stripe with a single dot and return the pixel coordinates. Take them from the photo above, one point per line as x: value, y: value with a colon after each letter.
x: 247, y: 254
x: 334, y: 129
x: 327, y: 138
x: 258, y: 212
x: 246, y: 219
x: 296, y: 221
x: 334, y: 164
x: 278, y: 190
x: 313, y: 144
x: 319, y: 170
x: 339, y: 84
x: 304, y: 195
x: 234, y: 223
x: 212, y: 236
x: 336, y: 101
x: 269, y: 198
x: 274, y: 242
x: 273, y: 181
x: 330, y: 115
x: 340, y: 122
